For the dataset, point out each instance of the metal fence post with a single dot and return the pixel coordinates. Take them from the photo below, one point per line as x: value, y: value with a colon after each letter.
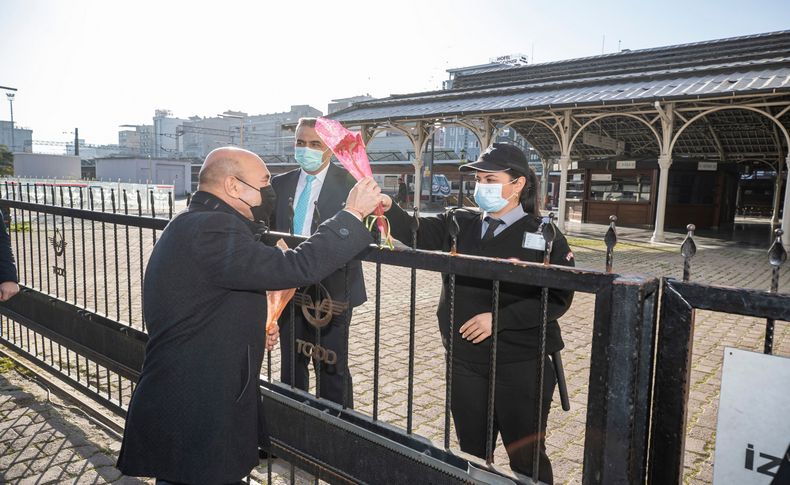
x: 673, y: 369
x: 621, y: 363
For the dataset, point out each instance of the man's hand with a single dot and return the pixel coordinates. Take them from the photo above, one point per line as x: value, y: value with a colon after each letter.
x: 478, y: 328
x: 386, y: 202
x: 273, y: 337
x: 8, y: 289
x: 364, y: 197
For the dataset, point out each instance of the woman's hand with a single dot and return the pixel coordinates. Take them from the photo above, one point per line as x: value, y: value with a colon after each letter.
x: 478, y: 328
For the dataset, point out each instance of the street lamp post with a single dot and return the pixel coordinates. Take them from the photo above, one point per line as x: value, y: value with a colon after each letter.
x: 11, y: 104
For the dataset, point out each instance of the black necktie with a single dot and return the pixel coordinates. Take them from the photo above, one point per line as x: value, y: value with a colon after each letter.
x: 492, y: 225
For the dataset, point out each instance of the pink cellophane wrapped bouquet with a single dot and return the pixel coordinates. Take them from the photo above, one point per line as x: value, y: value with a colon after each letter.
x: 349, y: 149
x: 276, y: 300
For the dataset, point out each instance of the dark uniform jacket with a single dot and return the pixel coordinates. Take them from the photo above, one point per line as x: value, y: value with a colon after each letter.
x: 334, y: 191
x: 7, y: 263
x: 519, y: 304
x: 196, y: 413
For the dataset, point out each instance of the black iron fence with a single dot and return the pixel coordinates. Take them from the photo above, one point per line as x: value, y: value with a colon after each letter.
x: 80, y: 315
x: 80, y: 257
x: 679, y: 301
x: 617, y: 411
x: 85, y: 246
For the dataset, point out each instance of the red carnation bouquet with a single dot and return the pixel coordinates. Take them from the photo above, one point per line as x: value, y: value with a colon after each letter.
x: 349, y: 149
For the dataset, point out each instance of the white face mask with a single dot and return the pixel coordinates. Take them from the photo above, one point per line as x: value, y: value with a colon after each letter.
x: 309, y: 159
x: 489, y: 196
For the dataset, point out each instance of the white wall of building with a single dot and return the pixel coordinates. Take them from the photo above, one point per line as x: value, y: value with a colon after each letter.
x: 165, y: 133
x: 264, y: 134
x: 201, y: 135
x: 39, y: 165
x: 138, y: 170
x: 23, y: 137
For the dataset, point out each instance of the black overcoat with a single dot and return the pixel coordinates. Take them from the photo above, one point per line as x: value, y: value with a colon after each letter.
x: 196, y: 414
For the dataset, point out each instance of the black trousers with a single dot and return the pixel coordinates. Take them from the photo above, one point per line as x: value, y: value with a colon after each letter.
x: 334, y: 338
x: 514, y: 411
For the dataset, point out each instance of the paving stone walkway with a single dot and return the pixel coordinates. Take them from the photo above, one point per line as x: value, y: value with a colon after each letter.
x: 45, y: 441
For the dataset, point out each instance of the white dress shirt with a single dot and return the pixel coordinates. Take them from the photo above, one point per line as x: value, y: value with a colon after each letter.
x: 513, y: 215
x: 314, y: 193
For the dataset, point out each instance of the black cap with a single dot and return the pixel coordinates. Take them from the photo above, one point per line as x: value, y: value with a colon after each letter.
x: 498, y: 158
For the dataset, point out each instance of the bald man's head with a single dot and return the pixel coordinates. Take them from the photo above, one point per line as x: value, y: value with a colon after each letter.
x: 221, y: 163
x: 234, y: 175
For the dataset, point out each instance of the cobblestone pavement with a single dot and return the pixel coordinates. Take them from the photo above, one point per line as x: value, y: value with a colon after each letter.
x: 40, y: 442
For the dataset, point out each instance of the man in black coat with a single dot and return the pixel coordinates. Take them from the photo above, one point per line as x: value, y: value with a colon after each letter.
x: 314, y: 192
x: 196, y: 416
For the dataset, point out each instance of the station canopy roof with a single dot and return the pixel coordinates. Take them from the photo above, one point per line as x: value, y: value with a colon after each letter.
x: 750, y: 73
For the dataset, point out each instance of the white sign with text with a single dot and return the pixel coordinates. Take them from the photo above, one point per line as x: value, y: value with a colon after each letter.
x: 753, y: 429
x: 601, y: 177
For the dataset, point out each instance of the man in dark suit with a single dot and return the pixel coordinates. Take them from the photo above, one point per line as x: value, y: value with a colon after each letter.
x: 196, y: 416
x: 315, y: 192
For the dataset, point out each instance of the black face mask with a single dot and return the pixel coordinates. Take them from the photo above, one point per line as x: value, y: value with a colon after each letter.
x: 263, y: 212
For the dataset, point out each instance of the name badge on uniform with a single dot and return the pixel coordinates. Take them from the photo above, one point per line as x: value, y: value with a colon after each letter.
x: 534, y: 241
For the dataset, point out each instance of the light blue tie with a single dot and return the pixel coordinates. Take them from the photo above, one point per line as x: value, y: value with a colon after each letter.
x: 300, y: 212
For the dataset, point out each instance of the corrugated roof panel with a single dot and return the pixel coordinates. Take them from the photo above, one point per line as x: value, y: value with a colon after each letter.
x: 686, y: 72
x: 701, y: 86
x: 698, y: 55
x: 496, y: 100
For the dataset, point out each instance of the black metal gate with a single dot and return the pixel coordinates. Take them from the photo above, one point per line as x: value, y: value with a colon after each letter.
x: 81, y: 258
x: 679, y: 301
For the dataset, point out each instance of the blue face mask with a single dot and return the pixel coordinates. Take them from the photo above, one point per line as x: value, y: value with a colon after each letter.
x: 310, y: 160
x: 489, y: 197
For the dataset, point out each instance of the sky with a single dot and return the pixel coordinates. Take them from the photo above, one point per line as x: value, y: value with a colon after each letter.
x: 98, y: 64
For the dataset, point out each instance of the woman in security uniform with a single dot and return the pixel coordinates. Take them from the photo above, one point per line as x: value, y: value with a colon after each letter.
x: 508, y: 226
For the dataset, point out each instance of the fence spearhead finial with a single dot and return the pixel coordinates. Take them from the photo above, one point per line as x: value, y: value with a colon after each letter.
x: 611, y: 234
x: 415, y: 226
x: 454, y: 229
x: 688, y: 249
x: 777, y: 254
x: 610, y: 239
x: 549, y: 231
